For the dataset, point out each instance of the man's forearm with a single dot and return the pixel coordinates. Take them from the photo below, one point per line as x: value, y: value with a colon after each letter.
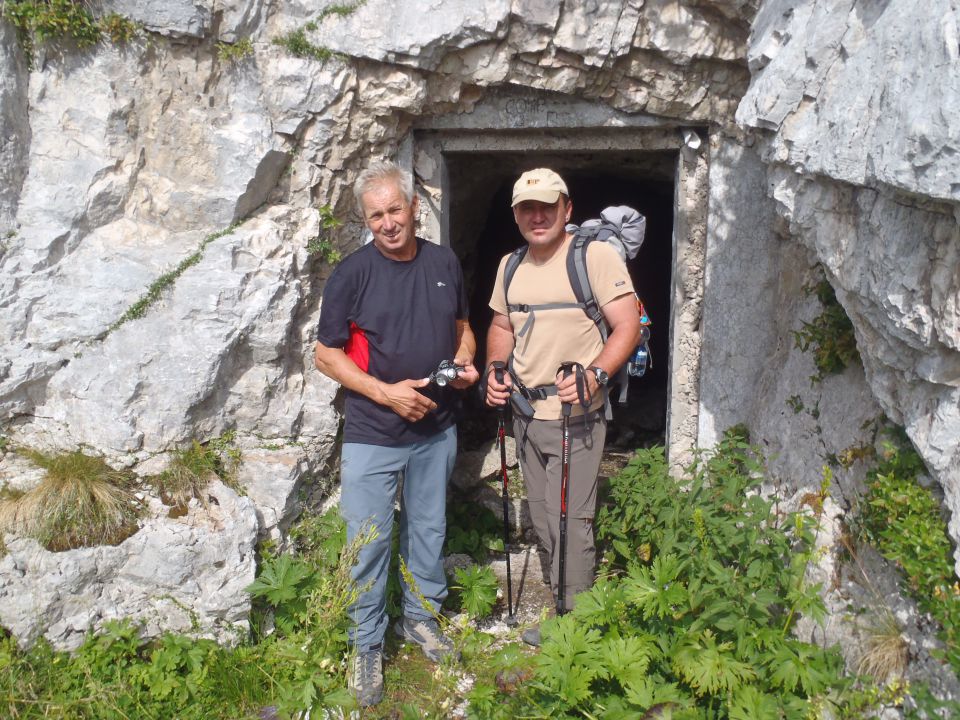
x: 466, y: 342
x: 620, y: 344
x: 499, y: 343
x: 624, y: 322
x: 334, y: 363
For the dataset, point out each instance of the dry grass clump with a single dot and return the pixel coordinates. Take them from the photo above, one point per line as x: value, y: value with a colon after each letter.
x: 81, y: 502
x: 886, y: 652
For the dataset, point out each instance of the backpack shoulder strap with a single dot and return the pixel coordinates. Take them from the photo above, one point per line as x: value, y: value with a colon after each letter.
x: 513, y: 262
x: 580, y: 280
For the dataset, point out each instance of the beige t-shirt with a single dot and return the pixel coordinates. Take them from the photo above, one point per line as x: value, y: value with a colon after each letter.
x: 561, y: 335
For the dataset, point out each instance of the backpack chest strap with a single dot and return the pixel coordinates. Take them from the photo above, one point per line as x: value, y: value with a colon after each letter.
x: 532, y: 310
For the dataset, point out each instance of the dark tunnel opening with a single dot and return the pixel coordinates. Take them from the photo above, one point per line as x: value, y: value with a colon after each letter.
x: 482, y: 231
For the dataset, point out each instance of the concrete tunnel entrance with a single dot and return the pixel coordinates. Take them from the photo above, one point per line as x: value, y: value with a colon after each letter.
x: 482, y: 230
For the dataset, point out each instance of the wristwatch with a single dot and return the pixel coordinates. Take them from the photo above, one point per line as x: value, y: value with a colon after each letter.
x: 601, y: 375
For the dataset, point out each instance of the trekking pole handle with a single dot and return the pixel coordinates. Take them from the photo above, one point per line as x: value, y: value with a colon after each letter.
x: 566, y: 370
x: 498, y: 368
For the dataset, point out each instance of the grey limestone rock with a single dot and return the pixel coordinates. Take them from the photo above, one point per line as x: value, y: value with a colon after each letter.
x: 185, y: 574
x: 175, y: 18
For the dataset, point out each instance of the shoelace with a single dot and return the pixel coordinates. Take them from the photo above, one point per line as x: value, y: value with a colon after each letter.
x: 368, y: 666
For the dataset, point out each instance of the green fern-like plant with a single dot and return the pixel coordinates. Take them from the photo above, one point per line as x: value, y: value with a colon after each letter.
x: 702, y: 584
x: 478, y: 589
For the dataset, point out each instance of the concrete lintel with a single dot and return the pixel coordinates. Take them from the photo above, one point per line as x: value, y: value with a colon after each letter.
x: 507, y: 108
x: 625, y: 139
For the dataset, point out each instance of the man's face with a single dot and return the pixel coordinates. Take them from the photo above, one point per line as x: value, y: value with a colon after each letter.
x: 391, y: 220
x: 540, y: 223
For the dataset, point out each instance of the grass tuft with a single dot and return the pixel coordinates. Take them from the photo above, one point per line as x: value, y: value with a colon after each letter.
x: 193, y: 467
x: 81, y: 502
x: 887, y: 652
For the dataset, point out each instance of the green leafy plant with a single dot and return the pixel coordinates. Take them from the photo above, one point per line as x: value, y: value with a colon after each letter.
x: 119, y: 29
x: 473, y: 530
x: 830, y: 334
x: 296, y: 43
x: 320, y: 536
x: 80, y: 502
x: 322, y: 246
x: 692, y: 615
x: 236, y: 51
x: 45, y: 21
x: 926, y: 706
x: 902, y: 519
x: 116, y: 674
x: 284, y: 583
x: 478, y: 589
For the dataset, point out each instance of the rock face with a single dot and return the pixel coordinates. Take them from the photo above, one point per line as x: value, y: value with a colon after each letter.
x: 802, y: 132
x: 858, y: 170
x: 184, y: 574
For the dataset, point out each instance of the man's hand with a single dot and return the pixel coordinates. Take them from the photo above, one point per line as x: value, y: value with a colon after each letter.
x: 405, y: 401
x: 498, y: 393
x: 465, y: 377
x: 567, y: 387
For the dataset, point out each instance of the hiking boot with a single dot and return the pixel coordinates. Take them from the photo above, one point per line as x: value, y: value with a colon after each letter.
x: 366, y: 676
x: 531, y: 636
x: 426, y: 633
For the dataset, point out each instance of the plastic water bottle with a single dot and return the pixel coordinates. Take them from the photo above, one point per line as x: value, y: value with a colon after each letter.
x: 637, y: 365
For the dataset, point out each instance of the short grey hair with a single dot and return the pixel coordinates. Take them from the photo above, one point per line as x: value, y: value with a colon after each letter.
x: 379, y: 172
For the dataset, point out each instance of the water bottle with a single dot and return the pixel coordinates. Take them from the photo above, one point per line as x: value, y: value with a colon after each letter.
x: 637, y: 364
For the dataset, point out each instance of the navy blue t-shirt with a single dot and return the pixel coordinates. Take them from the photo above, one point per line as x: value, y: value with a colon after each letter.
x: 408, y: 310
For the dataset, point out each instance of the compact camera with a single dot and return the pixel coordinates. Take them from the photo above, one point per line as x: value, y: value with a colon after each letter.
x: 446, y: 373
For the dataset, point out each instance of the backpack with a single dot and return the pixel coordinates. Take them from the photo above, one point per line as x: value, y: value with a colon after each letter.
x: 623, y: 228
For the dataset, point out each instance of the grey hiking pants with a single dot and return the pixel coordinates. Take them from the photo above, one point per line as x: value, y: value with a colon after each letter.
x: 540, y: 461
x: 369, y: 478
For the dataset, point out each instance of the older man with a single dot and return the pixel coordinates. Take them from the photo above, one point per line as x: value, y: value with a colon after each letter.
x: 399, y: 308
x: 561, y: 333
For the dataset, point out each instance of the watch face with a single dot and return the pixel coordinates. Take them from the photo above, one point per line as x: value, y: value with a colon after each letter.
x: 601, y: 375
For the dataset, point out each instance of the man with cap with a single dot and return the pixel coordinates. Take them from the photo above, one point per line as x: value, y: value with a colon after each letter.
x: 535, y: 350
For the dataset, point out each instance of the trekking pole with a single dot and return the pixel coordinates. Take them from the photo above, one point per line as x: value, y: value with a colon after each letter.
x: 498, y: 368
x: 566, y: 369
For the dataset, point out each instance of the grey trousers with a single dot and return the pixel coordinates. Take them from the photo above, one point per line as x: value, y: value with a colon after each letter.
x: 369, y: 478
x: 539, y: 447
